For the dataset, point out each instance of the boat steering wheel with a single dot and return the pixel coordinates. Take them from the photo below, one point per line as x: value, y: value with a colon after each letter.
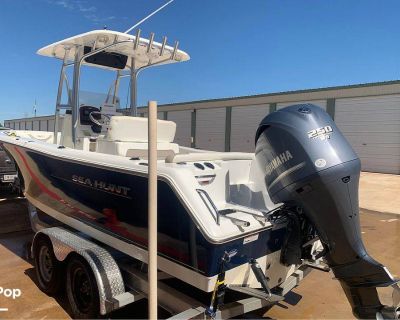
x: 102, y: 119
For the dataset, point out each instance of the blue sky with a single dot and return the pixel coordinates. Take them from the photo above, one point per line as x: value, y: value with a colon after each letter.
x: 237, y: 47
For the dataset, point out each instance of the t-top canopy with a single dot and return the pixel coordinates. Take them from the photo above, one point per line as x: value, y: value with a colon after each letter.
x: 98, y: 39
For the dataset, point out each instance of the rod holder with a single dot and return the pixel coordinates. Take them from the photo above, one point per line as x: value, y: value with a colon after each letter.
x: 150, y: 42
x: 175, y: 50
x: 164, y: 42
x: 137, y: 39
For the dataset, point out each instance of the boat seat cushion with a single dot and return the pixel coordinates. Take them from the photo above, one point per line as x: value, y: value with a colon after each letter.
x: 134, y: 129
x: 135, y: 149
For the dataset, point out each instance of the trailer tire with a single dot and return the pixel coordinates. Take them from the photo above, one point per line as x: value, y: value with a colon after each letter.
x: 82, y: 290
x: 48, y: 268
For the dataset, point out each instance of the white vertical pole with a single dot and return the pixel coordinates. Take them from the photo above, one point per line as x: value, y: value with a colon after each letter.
x: 75, y: 92
x: 152, y: 205
x: 59, y: 96
x: 133, y: 92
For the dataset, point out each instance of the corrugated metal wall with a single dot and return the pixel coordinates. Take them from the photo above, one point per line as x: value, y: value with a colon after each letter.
x: 210, y: 129
x: 245, y: 121
x: 50, y: 126
x: 183, y: 120
x: 43, y: 125
x: 372, y: 126
x: 319, y: 103
x: 36, y: 125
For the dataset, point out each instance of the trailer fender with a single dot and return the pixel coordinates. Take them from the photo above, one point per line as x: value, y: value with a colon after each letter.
x: 105, y: 269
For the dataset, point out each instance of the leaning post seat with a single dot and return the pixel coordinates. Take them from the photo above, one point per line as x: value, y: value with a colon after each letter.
x: 128, y: 136
x: 134, y: 129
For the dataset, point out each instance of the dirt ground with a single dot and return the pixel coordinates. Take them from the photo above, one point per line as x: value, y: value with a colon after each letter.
x: 322, y: 297
x: 380, y: 192
x: 318, y: 296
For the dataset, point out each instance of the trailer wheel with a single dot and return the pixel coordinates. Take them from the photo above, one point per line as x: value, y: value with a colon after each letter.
x: 48, y: 268
x: 82, y: 291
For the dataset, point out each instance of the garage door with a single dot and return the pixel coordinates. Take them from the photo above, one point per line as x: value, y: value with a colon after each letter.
x: 210, y: 129
x: 43, y: 125
x: 183, y: 120
x: 51, y: 125
x: 35, y: 125
x: 319, y: 103
x: 372, y: 125
x: 160, y: 115
x: 245, y: 121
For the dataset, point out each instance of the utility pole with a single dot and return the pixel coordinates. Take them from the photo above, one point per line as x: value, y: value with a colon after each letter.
x: 34, y: 109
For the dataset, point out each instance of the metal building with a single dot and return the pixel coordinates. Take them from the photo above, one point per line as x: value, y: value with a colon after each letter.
x: 367, y: 114
x: 41, y: 123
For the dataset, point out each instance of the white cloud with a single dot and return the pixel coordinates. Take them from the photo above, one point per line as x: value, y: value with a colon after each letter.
x: 89, y: 9
x: 95, y: 18
x: 89, y: 12
x: 66, y: 4
x: 83, y: 7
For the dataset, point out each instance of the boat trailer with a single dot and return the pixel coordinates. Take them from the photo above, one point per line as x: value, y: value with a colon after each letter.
x: 121, y: 280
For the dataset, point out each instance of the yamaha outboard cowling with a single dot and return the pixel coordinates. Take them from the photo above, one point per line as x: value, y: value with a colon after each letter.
x: 309, y: 164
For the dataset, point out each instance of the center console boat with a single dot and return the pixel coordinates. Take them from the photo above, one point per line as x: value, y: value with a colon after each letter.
x: 246, y: 220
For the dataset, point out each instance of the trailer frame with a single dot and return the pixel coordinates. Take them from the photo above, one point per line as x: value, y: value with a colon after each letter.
x: 121, y: 283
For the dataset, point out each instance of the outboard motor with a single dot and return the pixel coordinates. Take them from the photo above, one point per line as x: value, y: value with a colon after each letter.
x: 309, y: 164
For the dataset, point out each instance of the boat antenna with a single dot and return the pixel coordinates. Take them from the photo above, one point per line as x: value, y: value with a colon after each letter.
x: 149, y: 16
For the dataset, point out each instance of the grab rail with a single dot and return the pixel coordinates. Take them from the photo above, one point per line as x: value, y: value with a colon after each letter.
x: 202, y: 193
x: 218, y: 213
x: 263, y: 219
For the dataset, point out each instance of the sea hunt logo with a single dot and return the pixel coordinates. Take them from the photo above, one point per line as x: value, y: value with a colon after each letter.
x: 278, y: 161
x: 323, y: 133
x: 101, y: 185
